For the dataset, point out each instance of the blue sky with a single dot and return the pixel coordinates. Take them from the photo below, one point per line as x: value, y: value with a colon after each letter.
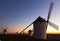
x: 17, y: 14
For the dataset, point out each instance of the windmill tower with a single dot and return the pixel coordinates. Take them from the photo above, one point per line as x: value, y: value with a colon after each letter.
x: 40, y: 26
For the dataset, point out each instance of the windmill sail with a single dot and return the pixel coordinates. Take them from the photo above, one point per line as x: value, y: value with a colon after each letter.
x: 49, y: 13
x: 53, y: 25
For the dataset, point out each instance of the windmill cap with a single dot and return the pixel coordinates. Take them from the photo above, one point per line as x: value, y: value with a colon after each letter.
x: 30, y: 30
x: 40, y: 19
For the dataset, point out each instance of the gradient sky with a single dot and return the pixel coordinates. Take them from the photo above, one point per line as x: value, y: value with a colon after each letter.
x: 17, y: 14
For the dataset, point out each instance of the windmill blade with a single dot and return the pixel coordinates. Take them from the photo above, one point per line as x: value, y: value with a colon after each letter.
x: 49, y: 13
x: 26, y: 27
x: 50, y: 9
x: 53, y: 25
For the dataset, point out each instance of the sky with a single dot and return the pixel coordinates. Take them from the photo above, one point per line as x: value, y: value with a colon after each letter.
x: 18, y: 14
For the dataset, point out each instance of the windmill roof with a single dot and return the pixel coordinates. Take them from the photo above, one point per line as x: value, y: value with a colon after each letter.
x: 40, y: 19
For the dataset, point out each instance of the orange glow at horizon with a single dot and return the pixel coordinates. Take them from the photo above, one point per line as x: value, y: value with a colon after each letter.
x: 50, y: 30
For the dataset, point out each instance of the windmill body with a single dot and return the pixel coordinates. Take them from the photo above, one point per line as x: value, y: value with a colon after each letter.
x: 39, y: 28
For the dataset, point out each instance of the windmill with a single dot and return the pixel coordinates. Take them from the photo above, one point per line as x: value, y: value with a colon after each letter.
x: 40, y: 25
x: 30, y: 33
x: 4, y: 30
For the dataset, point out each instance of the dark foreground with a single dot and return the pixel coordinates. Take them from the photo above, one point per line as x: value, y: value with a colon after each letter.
x: 14, y: 37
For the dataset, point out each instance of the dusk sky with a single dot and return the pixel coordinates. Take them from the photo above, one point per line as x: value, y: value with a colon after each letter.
x: 18, y: 14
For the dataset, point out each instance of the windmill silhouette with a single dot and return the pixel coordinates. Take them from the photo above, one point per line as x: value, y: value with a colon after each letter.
x: 4, y: 30
x: 30, y: 32
x: 40, y: 25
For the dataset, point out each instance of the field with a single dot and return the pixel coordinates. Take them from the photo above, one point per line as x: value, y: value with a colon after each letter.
x: 20, y: 37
